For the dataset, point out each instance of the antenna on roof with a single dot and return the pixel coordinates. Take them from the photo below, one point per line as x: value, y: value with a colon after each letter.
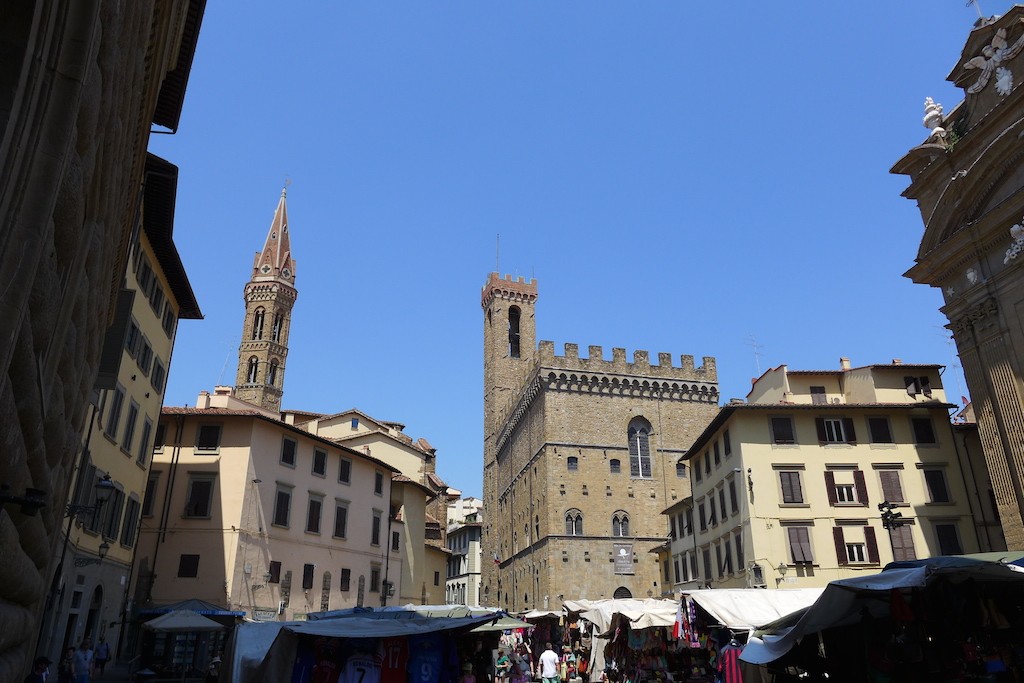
x: 227, y: 359
x: 752, y: 343
x: 976, y: 6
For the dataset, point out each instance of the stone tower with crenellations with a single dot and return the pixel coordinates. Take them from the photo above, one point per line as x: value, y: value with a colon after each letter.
x: 269, y: 297
x: 579, y: 458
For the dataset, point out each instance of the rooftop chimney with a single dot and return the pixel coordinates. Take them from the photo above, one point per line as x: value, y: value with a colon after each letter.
x: 844, y: 363
x: 897, y: 361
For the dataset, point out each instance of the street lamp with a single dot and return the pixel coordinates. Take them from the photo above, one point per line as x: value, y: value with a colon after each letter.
x: 890, y: 518
x: 86, y: 561
x: 104, y: 487
x: 30, y: 502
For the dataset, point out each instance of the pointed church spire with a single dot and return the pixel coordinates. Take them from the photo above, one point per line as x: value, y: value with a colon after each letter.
x: 269, y: 298
x: 275, y: 262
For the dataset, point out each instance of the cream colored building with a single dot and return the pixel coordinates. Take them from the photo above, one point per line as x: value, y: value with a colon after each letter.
x: 250, y: 513
x: 787, y: 485
x: 89, y: 596
x: 425, y: 493
x: 464, y: 563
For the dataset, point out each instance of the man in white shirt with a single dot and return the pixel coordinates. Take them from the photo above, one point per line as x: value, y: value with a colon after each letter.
x: 549, y: 665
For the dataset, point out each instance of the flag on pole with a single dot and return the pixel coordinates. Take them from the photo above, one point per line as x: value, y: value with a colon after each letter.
x: 964, y: 399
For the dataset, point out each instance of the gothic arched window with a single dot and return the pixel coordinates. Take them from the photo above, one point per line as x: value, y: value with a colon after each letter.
x: 252, y: 370
x: 272, y: 374
x: 573, y: 523
x: 639, y: 434
x: 275, y: 334
x: 620, y: 524
x: 257, y: 323
x: 513, y: 331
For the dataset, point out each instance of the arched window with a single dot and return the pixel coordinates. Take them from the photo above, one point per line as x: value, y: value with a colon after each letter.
x: 275, y: 334
x: 620, y: 524
x: 572, y: 463
x: 680, y: 469
x: 639, y: 433
x: 257, y: 323
x: 513, y: 331
x: 573, y: 523
x: 272, y: 374
x: 622, y: 593
x: 252, y: 370
x: 614, y: 466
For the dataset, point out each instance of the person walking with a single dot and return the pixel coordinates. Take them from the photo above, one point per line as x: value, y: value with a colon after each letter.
x: 39, y: 668
x: 65, y: 669
x: 549, y: 665
x: 102, y: 655
x: 81, y: 662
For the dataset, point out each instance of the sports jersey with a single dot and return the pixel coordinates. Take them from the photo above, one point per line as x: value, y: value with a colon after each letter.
x: 394, y: 654
x: 361, y: 667
x: 426, y: 658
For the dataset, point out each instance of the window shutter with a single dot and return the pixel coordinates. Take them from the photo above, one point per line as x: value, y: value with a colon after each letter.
x: 872, y: 543
x: 926, y: 387
x: 848, y: 431
x: 891, y: 489
x: 113, y: 341
x: 820, y: 424
x: 911, y: 384
x: 830, y: 487
x: 787, y: 487
x: 861, y: 486
x: 800, y: 544
x: 837, y: 533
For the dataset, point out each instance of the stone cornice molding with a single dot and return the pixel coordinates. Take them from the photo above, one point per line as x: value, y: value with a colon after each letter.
x: 974, y: 315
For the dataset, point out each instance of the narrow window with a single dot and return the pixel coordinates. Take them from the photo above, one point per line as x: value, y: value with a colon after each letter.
x: 733, y: 501
x: 307, y: 576
x: 313, y: 515
x: 145, y: 445
x: 274, y: 571
x: 378, y: 483
x: 718, y: 455
x: 902, y: 544
x: 949, y: 539
x: 680, y: 469
x: 923, y: 431
x: 200, y: 496
x: 375, y: 580
x: 346, y: 579
x: 340, y: 520
x: 131, y: 522
x: 159, y: 375
x: 129, y: 426
x: 791, y: 490
x: 114, y: 411
x: 572, y: 463
x: 938, y: 492
x: 727, y: 443
x: 252, y: 370
x: 257, y: 323
x: 345, y: 471
x: 149, y: 500
x: 800, y: 544
x: 282, y: 507
x: 614, y: 466
x: 892, y: 489
x: 513, y: 331
x: 396, y: 541
x: 638, y: 434
x: 288, y: 448
x: 272, y: 374
x: 375, y: 529
x: 319, y: 462
x: 278, y: 327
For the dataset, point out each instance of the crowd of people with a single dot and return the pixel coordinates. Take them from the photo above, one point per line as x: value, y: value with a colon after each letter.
x: 78, y: 665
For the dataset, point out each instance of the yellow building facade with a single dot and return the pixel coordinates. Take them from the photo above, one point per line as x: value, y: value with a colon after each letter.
x: 787, y: 485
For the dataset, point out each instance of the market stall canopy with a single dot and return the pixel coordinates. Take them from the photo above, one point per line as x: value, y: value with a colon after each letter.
x: 541, y: 614
x: 641, y: 613
x: 182, y: 621
x: 195, y: 605
x: 844, y: 601
x: 409, y: 611
x: 744, y: 609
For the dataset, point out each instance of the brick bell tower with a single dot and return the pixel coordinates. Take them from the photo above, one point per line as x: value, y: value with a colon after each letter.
x: 269, y: 297
x: 510, y: 349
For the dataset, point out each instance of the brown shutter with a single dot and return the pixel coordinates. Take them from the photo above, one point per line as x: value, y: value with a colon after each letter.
x: 787, y: 487
x: 113, y: 341
x: 819, y: 423
x: 830, y: 487
x: 797, y: 490
x: 837, y: 533
x: 849, y: 432
x: 861, y: 486
x: 902, y: 544
x: 891, y: 489
x: 872, y: 543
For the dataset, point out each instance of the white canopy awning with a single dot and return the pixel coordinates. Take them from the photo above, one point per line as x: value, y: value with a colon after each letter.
x: 744, y: 609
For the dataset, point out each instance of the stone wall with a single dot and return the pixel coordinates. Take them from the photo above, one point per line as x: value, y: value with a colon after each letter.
x: 78, y: 87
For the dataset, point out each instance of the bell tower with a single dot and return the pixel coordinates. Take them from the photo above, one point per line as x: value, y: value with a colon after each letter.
x: 269, y: 297
x: 510, y: 348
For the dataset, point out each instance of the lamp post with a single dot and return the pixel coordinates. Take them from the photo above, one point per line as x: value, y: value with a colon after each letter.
x: 104, y: 487
x: 86, y: 561
x: 781, y: 569
x: 891, y: 520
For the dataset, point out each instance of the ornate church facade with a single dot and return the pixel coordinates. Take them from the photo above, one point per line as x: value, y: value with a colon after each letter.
x: 579, y: 458
x: 968, y: 181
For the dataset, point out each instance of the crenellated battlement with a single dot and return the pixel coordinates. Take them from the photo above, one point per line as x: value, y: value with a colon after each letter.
x: 640, y: 366
x: 518, y: 289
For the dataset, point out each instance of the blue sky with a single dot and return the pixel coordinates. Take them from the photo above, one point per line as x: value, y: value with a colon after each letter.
x: 679, y: 177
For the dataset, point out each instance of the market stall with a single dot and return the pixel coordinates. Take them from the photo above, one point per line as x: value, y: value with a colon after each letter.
x: 944, y: 618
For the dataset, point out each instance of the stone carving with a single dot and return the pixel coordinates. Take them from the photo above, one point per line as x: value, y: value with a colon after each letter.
x: 933, y: 121
x: 990, y: 59
x: 972, y: 276
x: 974, y: 315
x: 1017, y: 246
